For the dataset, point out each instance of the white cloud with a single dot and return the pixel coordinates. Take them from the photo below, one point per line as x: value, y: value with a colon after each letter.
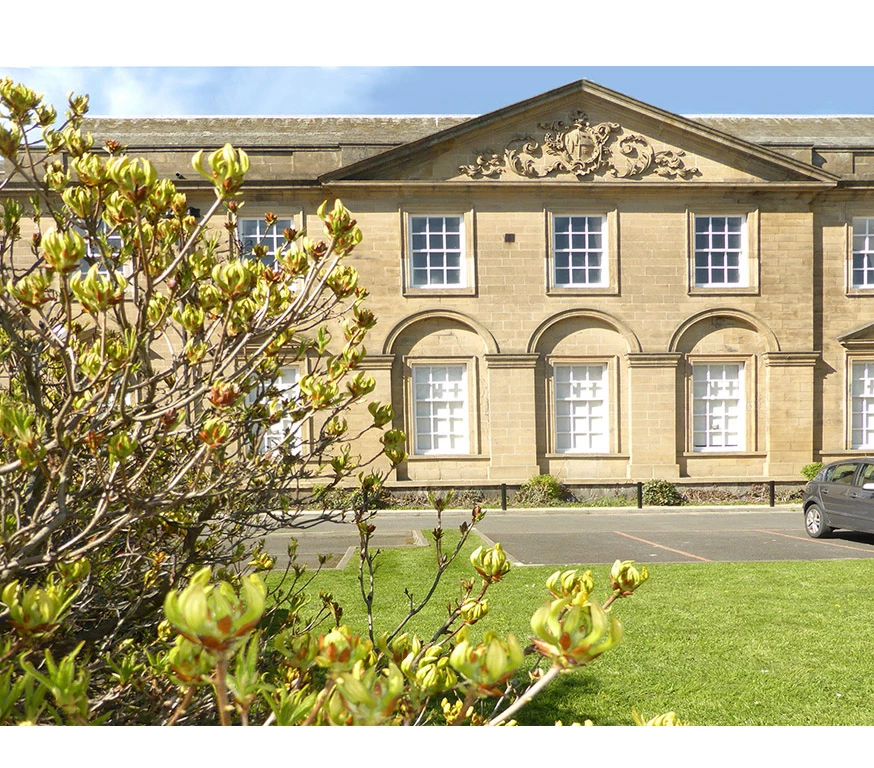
x: 165, y: 91
x: 137, y: 92
x: 300, y: 91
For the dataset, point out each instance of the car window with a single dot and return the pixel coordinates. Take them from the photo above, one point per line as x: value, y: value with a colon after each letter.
x: 867, y: 474
x: 841, y: 474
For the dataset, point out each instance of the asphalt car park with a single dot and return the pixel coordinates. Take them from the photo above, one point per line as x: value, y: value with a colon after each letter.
x: 589, y: 537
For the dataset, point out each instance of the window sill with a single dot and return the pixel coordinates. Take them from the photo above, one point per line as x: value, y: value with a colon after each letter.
x: 622, y: 456
x: 582, y: 290
x: 856, y: 291
x: 723, y: 290
x: 724, y: 455
x: 438, y: 291
x: 446, y: 457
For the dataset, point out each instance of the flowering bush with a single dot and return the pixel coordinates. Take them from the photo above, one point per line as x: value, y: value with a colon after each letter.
x: 139, y: 464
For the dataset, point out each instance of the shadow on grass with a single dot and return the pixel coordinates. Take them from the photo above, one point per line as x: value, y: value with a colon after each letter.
x: 564, y: 699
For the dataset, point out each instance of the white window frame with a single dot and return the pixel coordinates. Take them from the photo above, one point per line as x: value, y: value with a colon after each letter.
x: 429, y: 408
x: 720, y: 251
x: 710, y: 420
x: 861, y: 404
x: 580, y: 250
x: 270, y: 236
x: 416, y: 252
x: 865, y: 253
x: 598, y: 442
x: 287, y: 383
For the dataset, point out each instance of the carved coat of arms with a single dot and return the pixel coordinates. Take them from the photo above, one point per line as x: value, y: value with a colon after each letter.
x: 580, y: 149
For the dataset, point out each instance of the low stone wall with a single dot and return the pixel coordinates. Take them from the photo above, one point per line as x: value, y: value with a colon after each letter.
x: 601, y: 494
x: 594, y: 494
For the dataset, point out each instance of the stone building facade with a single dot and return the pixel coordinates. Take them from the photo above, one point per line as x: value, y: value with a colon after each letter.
x: 586, y: 285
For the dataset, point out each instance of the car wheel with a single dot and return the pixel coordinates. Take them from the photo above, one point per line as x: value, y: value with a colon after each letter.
x: 814, y: 522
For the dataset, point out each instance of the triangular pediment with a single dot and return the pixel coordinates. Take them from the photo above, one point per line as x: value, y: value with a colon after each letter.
x: 860, y: 338
x: 581, y: 132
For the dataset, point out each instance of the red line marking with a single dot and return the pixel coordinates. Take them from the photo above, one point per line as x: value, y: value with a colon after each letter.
x: 661, y: 546
x: 807, y: 538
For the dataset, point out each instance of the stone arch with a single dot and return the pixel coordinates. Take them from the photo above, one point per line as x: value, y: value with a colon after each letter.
x: 454, y: 317
x: 684, y: 338
x: 594, y: 316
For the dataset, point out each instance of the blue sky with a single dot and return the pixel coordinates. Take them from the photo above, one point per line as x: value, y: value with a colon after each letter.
x: 258, y: 90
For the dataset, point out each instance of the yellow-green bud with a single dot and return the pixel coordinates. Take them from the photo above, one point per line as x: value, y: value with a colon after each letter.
x: 572, y: 634
x: 625, y: 578
x: 570, y: 584
x: 394, y: 445
x: 191, y: 317
x: 342, y: 281
x: 227, y: 170
x: 10, y: 141
x: 37, y: 611
x: 90, y: 169
x: 214, y: 615
x: 214, y: 432
x: 404, y: 646
x: 435, y: 675
x: 361, y: 385
x: 473, y: 610
x: 75, y: 571
x: 97, y: 292
x: 369, y: 694
x: 195, y: 351
x: 31, y: 289
x: 487, y: 664
x: 382, y: 414
x: 157, y: 306
x: 76, y: 143
x: 63, y: 251
x: 490, y: 563
x: 320, y: 392
x: 120, y: 447
x: 188, y: 662
x: 299, y: 651
x: 233, y: 278
x: 135, y: 178
x: 80, y: 200
x: 340, y: 649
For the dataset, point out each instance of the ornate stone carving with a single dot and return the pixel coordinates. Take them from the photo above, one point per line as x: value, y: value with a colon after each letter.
x: 644, y: 159
x: 580, y: 149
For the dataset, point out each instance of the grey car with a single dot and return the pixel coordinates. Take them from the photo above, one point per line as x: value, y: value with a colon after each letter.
x: 840, y: 496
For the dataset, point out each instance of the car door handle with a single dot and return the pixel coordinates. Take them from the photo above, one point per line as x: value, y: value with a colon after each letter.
x: 825, y: 492
x: 853, y: 495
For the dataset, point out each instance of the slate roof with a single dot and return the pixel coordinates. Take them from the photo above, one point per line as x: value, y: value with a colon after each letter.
x: 322, y: 131
x: 824, y: 131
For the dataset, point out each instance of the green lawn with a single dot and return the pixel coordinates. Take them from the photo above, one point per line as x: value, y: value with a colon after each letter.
x: 718, y: 643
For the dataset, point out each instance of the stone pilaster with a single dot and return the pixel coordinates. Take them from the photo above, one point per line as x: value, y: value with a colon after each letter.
x: 379, y: 367
x: 790, y: 423
x: 512, y: 416
x: 653, y: 415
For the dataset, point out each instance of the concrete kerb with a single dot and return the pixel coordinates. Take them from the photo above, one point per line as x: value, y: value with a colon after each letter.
x: 418, y: 541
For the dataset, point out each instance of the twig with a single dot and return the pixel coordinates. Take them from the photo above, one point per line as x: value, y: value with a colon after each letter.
x: 528, y: 695
x: 323, y: 695
x: 183, y: 705
x: 221, y: 689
